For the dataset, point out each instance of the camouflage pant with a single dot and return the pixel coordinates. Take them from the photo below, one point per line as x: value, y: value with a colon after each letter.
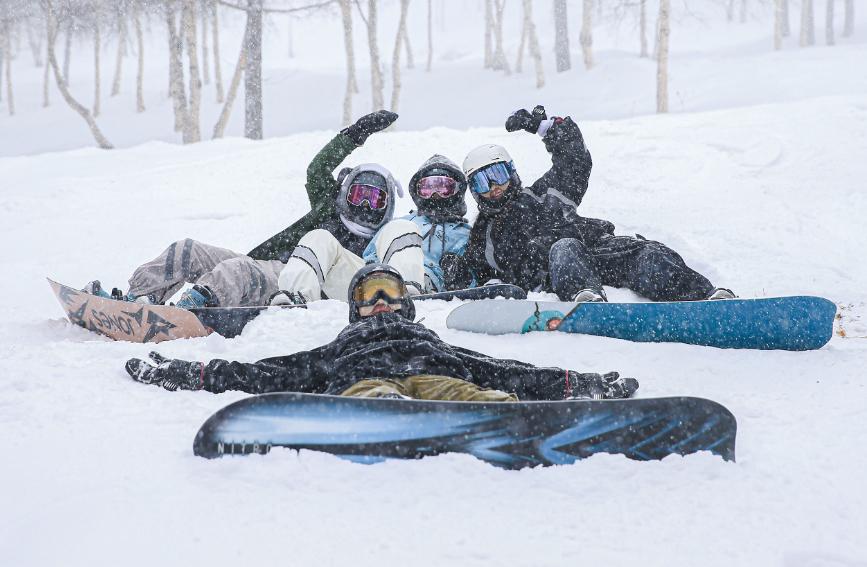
x: 427, y: 387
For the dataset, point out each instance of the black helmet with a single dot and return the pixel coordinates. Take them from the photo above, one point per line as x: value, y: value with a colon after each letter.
x: 452, y: 207
x: 407, y: 309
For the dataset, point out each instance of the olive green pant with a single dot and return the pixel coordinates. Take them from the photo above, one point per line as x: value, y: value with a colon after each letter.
x: 427, y: 387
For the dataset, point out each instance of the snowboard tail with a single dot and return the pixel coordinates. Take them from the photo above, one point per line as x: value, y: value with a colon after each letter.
x: 508, y: 435
x: 787, y: 323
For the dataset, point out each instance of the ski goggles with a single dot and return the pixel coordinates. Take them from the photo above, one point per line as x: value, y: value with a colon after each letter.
x: 495, y: 174
x: 377, y: 287
x: 441, y: 185
x: 359, y: 193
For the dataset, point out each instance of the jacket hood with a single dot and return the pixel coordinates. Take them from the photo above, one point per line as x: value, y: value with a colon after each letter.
x: 407, y: 311
x: 344, y: 209
x: 455, y: 207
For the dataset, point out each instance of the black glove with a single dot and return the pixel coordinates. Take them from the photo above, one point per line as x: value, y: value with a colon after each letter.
x: 524, y: 120
x: 368, y: 124
x: 169, y: 373
x: 456, y: 271
x: 593, y: 386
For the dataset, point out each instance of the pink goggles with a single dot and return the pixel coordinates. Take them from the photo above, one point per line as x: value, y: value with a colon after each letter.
x: 441, y: 185
x: 375, y: 197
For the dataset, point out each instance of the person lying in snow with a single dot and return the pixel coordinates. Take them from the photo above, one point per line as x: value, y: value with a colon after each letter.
x: 533, y: 237
x: 426, y: 245
x: 383, y: 353
x: 344, y: 214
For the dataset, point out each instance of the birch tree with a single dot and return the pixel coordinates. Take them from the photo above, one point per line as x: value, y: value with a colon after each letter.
x: 395, y: 63
x: 97, y: 92
x: 743, y: 11
x: 808, y: 36
x: 188, y: 20
x: 376, y: 85
x: 786, y: 29
x: 46, y: 77
x: 561, y: 36
x: 176, y: 68
x: 498, y: 60
x: 642, y: 26
x: 533, y: 43
x: 664, y: 30
x: 121, y: 48
x: 489, y: 30
x: 6, y: 40
x: 778, y: 24
x: 223, y: 120
x: 351, y: 82
x: 67, y: 50
x: 849, y: 19
x: 586, y: 37
x: 204, y: 8
x: 34, y: 40
x: 253, y: 72
x: 429, y: 36
x: 139, y: 79
x: 215, y: 28
x: 829, y: 22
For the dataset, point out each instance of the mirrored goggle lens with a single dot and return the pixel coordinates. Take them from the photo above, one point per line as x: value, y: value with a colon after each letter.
x: 494, y: 174
x: 441, y: 185
x: 375, y: 197
x: 377, y: 287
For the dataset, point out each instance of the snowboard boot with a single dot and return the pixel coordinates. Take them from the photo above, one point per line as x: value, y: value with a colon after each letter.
x: 196, y: 297
x: 95, y: 288
x: 588, y: 295
x: 283, y: 297
x: 593, y: 386
x: 721, y: 293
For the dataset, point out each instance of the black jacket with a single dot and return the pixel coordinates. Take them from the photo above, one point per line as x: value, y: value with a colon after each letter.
x: 383, y: 346
x: 513, y: 244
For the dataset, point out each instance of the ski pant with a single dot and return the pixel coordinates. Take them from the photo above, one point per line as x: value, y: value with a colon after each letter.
x: 647, y: 267
x: 398, y: 244
x: 320, y: 267
x: 427, y: 387
x: 236, y: 280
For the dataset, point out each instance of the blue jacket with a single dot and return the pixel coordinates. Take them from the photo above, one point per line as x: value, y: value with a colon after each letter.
x: 437, y: 239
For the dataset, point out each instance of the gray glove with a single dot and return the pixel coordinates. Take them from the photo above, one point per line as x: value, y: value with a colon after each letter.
x: 593, y: 386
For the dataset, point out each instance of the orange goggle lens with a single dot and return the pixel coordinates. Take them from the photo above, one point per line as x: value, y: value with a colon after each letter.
x: 378, y: 286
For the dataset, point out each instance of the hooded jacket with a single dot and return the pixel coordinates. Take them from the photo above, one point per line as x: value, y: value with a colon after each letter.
x: 443, y: 231
x: 381, y: 346
x: 324, y: 193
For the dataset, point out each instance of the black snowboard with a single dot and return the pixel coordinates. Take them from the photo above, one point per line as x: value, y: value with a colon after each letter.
x: 507, y: 291
x: 508, y: 435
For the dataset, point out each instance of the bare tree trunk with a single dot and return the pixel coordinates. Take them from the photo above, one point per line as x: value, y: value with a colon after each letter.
x: 121, y: 45
x: 533, y: 42
x: 351, y: 83
x: 730, y: 11
x: 778, y: 24
x: 410, y: 60
x: 46, y: 76
x: 829, y: 22
x: 7, y: 49
x: 96, y: 78
x: 253, y: 72
x: 220, y: 126
x: 67, y: 52
x: 586, y: 36
x: 743, y: 11
x: 74, y: 104
x: 35, y: 42
x: 2, y: 60
x: 375, y: 70
x: 499, y: 61
x: 519, y: 60
x: 206, y: 70
x: 786, y: 29
x: 395, y: 62
x: 561, y: 36
x: 849, y: 21
x: 808, y: 36
x: 662, y: 57
x: 429, y: 36
x: 188, y: 18
x: 218, y: 75
x: 176, y: 69
x: 139, y: 80
x: 642, y: 24
x: 489, y: 27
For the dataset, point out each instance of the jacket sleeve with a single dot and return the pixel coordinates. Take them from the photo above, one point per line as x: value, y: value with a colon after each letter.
x: 571, y: 164
x: 303, y: 372
x: 322, y: 187
x: 527, y: 381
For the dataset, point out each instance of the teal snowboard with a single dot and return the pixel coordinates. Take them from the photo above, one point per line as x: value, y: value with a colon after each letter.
x: 786, y: 323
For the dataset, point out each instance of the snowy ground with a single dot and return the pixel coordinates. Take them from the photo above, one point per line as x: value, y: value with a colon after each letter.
x: 764, y: 198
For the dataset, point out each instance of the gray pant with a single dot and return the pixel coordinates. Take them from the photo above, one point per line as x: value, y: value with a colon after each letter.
x: 235, y: 279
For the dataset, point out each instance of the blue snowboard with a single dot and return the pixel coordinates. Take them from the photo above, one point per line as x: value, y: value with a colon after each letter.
x: 508, y: 435
x: 787, y: 323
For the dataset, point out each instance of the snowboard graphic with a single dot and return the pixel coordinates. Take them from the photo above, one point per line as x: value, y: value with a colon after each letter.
x: 507, y: 291
x: 788, y: 323
x: 140, y: 323
x: 508, y: 435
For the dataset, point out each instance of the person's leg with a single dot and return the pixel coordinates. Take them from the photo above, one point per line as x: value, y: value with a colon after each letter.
x: 242, y: 281
x: 649, y: 268
x: 183, y: 261
x: 572, y: 269
x: 376, y: 388
x: 433, y: 387
x: 319, y: 265
x: 398, y: 244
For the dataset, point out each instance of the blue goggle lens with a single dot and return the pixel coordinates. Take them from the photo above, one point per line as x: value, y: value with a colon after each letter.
x: 494, y: 174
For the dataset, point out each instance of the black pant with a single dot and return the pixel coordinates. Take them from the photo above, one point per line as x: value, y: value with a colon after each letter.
x: 648, y: 268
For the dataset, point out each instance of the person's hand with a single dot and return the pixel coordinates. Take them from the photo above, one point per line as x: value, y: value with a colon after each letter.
x: 525, y: 120
x: 169, y: 373
x: 369, y: 124
x: 593, y: 386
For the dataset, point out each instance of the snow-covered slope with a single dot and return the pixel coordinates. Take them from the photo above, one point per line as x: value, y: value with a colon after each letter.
x: 98, y: 470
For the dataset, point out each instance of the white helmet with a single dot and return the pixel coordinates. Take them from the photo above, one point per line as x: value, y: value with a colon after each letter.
x: 484, y: 156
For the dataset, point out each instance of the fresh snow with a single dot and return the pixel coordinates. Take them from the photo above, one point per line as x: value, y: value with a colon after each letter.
x: 764, y: 194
